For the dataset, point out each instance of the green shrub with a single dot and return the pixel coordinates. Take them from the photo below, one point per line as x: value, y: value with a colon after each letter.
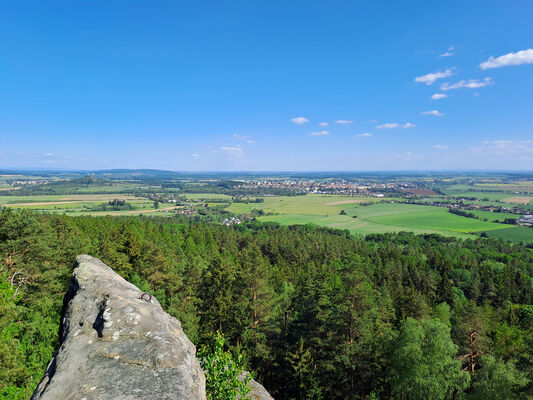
x: 222, y: 371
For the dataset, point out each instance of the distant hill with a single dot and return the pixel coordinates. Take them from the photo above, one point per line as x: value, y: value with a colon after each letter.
x: 136, y: 173
x: 68, y: 186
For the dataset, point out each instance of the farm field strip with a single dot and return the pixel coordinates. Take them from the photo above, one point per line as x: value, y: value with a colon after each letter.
x: 385, y: 217
x: 63, y: 198
x: 336, y: 203
x: 519, y: 200
x: 312, y: 204
x: 426, y: 217
x: 100, y: 197
x: 43, y: 203
x: 493, y: 216
x: 356, y: 226
x: 200, y: 196
x: 515, y: 234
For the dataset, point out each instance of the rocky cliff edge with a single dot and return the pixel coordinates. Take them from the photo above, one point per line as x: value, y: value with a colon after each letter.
x: 117, y: 343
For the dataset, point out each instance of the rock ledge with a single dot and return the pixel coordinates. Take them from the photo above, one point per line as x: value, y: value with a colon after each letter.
x: 117, y: 345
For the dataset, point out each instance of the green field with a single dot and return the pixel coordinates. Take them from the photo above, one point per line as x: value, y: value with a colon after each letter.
x: 491, y: 191
x: 491, y: 196
x: 515, y: 234
x: 312, y: 204
x: 426, y: 217
x: 356, y: 226
x: 493, y: 216
x: 29, y: 199
x: 377, y: 218
x: 73, y: 204
x: 205, y: 196
x: 523, y: 186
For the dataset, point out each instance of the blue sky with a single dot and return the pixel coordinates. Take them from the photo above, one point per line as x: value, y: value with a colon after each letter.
x: 245, y: 85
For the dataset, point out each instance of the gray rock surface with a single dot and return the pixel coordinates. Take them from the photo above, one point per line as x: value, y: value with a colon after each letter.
x: 115, y: 345
x: 257, y: 391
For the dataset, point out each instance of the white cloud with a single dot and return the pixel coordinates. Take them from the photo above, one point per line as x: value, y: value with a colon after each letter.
x: 319, y: 133
x: 448, y: 53
x: 299, y: 120
x: 518, y: 58
x: 428, y: 79
x: 343, y: 121
x: 195, y: 156
x: 440, y: 147
x: 230, y: 151
x: 239, y: 137
x: 432, y: 112
x: 324, y: 124
x: 48, y: 154
x: 363, y: 135
x: 390, y: 125
x: 469, y: 84
x: 249, y: 141
x: 437, y: 96
x: 496, y: 142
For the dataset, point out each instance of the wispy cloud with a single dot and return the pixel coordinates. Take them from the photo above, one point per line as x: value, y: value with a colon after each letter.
x: 469, y: 84
x: 436, y: 113
x: 343, y: 122
x: 323, y: 124
x: 392, y: 125
x: 518, y: 58
x: 364, y: 135
x: 319, y: 133
x: 438, y: 96
x: 243, y: 137
x: 196, y: 156
x: 230, y: 151
x: 440, y: 147
x: 299, y: 120
x: 504, y: 148
x: 448, y: 53
x: 428, y: 79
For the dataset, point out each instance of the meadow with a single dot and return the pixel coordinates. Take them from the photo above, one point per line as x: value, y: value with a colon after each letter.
x: 77, y: 204
x: 493, y: 216
x: 376, y: 218
x: 516, y: 193
x: 356, y: 226
x: 515, y: 234
x: 311, y: 204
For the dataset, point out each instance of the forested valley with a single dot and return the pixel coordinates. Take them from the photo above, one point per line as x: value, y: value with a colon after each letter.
x: 316, y: 313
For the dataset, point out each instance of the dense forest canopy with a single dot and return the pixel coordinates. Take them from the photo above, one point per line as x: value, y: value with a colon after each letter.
x: 316, y: 313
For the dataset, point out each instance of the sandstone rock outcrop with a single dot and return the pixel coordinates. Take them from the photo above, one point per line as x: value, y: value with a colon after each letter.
x: 257, y: 391
x: 117, y: 343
